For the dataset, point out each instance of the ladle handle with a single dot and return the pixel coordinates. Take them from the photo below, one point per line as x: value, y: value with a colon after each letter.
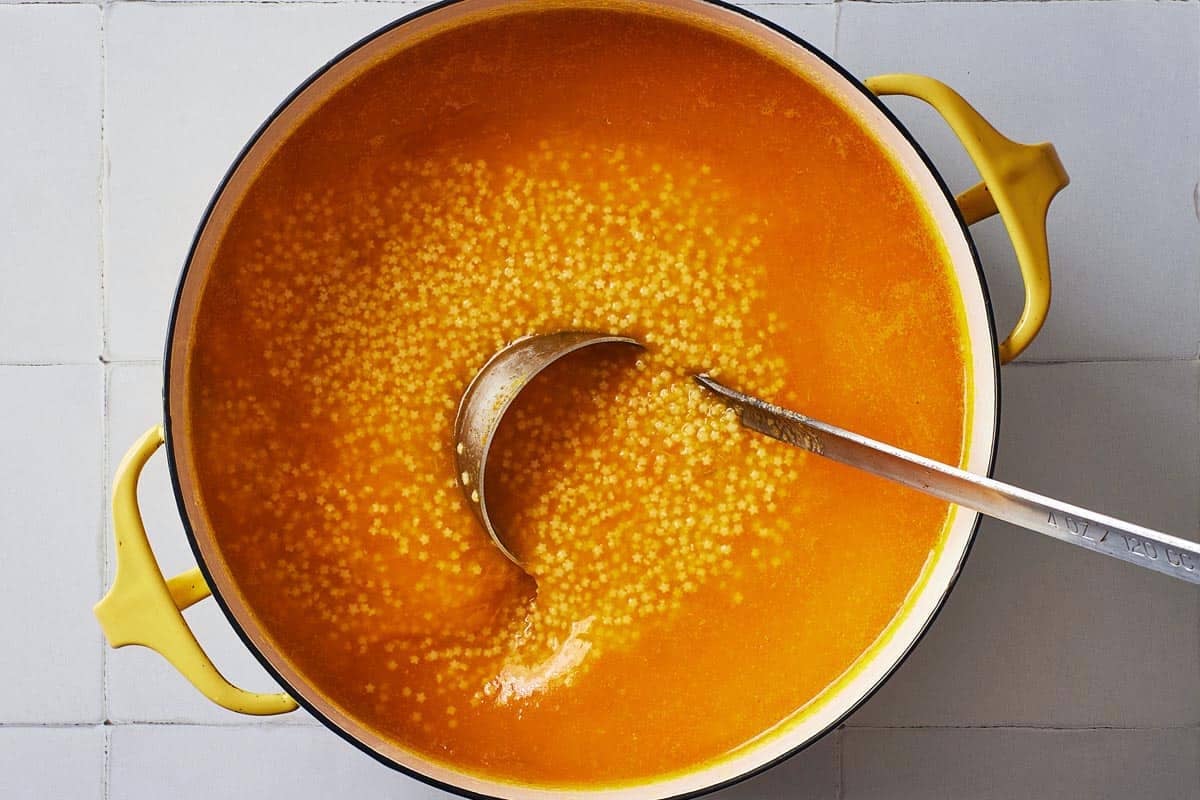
x: 1147, y: 548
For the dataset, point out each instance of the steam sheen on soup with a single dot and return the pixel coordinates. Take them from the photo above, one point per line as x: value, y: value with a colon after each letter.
x: 689, y: 584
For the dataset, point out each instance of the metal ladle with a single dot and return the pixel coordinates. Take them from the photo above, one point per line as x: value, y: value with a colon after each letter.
x: 502, y: 378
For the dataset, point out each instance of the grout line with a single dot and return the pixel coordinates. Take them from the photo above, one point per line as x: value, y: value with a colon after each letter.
x: 782, y: 3
x: 106, y: 423
x: 753, y: 4
x: 1023, y: 727
x: 120, y: 362
x: 50, y: 725
x: 251, y: 725
x: 1018, y: 2
x: 104, y: 169
x: 101, y: 185
x: 839, y: 769
x: 133, y: 362
x: 839, y: 733
x: 743, y: 2
x: 837, y: 27
x: 202, y: 3
x: 103, y: 4
x: 63, y: 363
x: 106, y: 774
x: 106, y: 462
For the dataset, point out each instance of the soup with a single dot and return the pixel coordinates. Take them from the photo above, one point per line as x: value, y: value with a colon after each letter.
x: 689, y: 585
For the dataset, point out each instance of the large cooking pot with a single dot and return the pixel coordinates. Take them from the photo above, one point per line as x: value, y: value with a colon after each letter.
x: 1019, y: 182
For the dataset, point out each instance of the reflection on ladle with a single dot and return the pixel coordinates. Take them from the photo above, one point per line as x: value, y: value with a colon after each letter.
x: 503, y: 377
x: 488, y: 397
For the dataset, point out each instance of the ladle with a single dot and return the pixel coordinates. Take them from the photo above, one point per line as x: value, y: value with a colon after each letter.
x: 502, y: 378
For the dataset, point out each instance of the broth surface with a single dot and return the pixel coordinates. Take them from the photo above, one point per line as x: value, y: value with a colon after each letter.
x: 693, y: 584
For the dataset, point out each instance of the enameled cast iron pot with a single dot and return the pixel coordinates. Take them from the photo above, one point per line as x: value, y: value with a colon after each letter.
x: 1019, y: 182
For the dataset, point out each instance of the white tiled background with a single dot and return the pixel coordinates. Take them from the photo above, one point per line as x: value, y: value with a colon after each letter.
x: 1052, y: 673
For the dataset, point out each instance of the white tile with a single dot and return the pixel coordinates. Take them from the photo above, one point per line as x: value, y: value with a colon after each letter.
x: 200, y: 763
x: 50, y: 449
x: 816, y: 24
x: 142, y: 686
x: 1039, y: 632
x: 1114, y: 86
x: 402, y: 4
x: 205, y: 762
x: 796, y: 18
x: 40, y: 763
x: 1029, y: 764
x: 176, y: 117
x: 808, y: 775
x: 50, y: 203
x: 50, y: 511
x: 285, y: 2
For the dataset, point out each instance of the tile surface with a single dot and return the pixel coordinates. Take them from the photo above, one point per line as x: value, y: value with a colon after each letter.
x: 142, y: 686
x: 275, y: 761
x: 50, y: 260
x: 1051, y: 673
x: 1029, y: 764
x: 42, y: 763
x: 200, y: 763
x: 1113, y: 86
x: 50, y: 507
x: 1038, y: 632
x: 817, y: 24
x: 177, y: 116
x: 808, y: 775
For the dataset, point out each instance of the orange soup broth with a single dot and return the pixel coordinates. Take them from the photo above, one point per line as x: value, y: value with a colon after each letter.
x: 419, y: 219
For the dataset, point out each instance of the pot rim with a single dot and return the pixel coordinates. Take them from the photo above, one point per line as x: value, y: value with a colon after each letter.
x: 236, y: 623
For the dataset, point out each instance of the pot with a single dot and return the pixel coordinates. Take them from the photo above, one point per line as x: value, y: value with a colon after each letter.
x: 143, y: 607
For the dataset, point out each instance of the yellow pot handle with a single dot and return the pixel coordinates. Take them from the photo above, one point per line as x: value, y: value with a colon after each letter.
x: 1019, y: 181
x: 143, y: 608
